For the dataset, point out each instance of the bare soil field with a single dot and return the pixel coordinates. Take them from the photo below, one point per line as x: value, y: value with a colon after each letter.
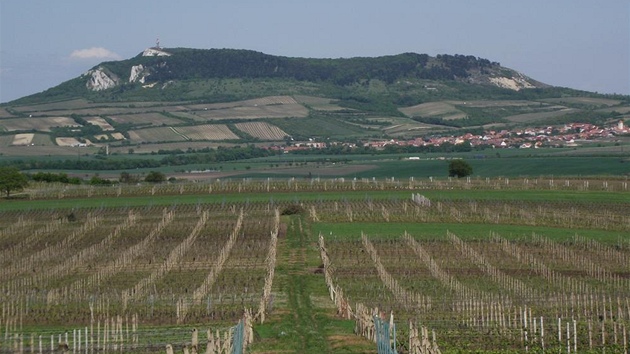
x: 22, y: 139
x: 207, y: 132
x: 26, y: 139
x: 262, y: 130
x: 99, y: 121
x: 67, y: 142
x: 41, y: 124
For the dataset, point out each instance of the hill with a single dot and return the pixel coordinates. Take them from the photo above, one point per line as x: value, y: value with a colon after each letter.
x: 178, y: 98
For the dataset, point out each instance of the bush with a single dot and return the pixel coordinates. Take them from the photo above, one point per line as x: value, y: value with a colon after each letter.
x: 155, y: 177
x: 293, y: 209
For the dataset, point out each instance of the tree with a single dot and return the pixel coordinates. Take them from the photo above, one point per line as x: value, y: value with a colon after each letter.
x: 11, y: 179
x: 155, y: 177
x: 126, y: 177
x: 459, y: 168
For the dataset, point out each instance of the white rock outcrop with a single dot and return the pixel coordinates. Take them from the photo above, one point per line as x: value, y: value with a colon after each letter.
x: 99, y: 80
x: 155, y: 52
x: 138, y: 74
x: 515, y: 83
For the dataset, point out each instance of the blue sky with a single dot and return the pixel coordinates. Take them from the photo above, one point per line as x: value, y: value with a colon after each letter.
x: 582, y: 44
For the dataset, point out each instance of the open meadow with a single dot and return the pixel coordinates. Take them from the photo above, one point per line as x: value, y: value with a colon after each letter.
x: 318, y: 266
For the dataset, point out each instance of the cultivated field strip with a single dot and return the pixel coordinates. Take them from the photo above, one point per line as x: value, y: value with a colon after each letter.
x: 547, y: 296
x: 46, y: 275
x: 440, y: 274
x: 28, y: 238
x: 558, y: 214
x: 604, y: 251
x: 171, y: 261
x: 271, y: 268
x: 262, y: 130
x: 125, y: 259
x: 217, y: 267
x: 185, y: 263
x: 510, y: 283
x: 571, y: 210
x: 411, y: 300
x: 23, y: 263
x: 207, y: 132
x: 583, y: 262
x: 565, y: 283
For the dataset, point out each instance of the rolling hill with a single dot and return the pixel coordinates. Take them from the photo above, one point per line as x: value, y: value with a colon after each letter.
x: 166, y: 97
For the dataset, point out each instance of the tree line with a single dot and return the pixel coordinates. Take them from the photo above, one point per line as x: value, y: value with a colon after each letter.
x: 102, y: 163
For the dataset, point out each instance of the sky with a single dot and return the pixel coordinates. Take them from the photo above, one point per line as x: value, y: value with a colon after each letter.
x: 581, y: 44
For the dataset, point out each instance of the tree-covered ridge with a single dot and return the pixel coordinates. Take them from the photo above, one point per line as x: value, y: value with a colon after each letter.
x: 231, y: 63
x: 188, y: 74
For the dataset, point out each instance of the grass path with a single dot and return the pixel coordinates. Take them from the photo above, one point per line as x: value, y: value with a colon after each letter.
x: 304, y: 319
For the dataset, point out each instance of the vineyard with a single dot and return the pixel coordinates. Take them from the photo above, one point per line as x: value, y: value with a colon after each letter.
x: 207, y: 132
x: 262, y: 130
x: 456, y: 266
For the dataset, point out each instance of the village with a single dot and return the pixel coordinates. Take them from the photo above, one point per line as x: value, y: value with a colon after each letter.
x: 569, y: 135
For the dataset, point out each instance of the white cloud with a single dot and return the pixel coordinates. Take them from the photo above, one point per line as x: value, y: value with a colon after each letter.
x: 94, y: 53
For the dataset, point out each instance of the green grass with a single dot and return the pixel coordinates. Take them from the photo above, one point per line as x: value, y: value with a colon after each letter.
x: 307, y: 327
x: 465, y: 231
x: 506, y: 167
x: 526, y: 195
